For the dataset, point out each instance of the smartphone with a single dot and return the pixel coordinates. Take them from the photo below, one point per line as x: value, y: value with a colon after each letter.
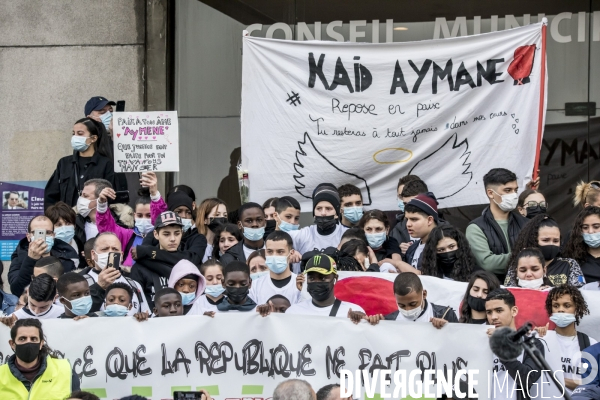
x: 39, y: 234
x: 122, y: 196
x: 120, y: 106
x: 114, y: 260
x: 188, y: 395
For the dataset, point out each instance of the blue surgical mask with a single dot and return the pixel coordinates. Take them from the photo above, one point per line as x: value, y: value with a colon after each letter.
x: 80, y: 306
x: 65, y: 233
x: 401, y: 205
x: 592, y: 239
x: 187, y: 298
x: 143, y: 225
x: 49, y: 243
x: 562, y: 320
x: 254, y: 234
x: 116, y: 310
x: 187, y: 224
x: 376, y: 239
x: 257, y: 275
x: 214, y: 290
x: 277, y: 264
x: 78, y: 143
x: 353, y: 214
x: 105, y: 118
x: 287, y: 227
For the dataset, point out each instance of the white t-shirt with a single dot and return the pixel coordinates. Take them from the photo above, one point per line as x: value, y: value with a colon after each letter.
x: 207, y: 253
x: 134, y: 300
x: 248, y: 250
x: 91, y: 230
x: 591, y: 286
x: 263, y: 289
x: 424, y: 317
x: 418, y: 251
x: 306, y: 307
x: 570, y: 355
x: 308, y: 239
x: 54, y: 311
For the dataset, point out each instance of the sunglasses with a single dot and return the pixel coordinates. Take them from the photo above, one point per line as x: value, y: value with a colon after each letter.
x: 532, y: 204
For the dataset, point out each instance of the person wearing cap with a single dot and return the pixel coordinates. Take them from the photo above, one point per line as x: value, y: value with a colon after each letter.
x: 421, y: 217
x: 327, y: 230
x: 252, y: 223
x: 321, y: 276
x: 154, y: 264
x: 91, y: 159
x: 494, y: 233
x: 100, y: 109
x: 193, y: 243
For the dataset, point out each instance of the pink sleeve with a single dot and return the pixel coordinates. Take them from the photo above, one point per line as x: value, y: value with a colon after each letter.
x: 156, y: 208
x: 106, y: 223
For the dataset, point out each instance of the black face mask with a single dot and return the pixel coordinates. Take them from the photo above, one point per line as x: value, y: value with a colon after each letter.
x: 325, y: 223
x: 476, y: 303
x: 237, y: 294
x: 27, y: 352
x: 320, y: 291
x: 446, y: 261
x: 216, y: 222
x: 533, y: 211
x: 550, y: 252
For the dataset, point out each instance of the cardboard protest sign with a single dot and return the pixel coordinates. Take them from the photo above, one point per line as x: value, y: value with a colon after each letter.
x: 146, y: 141
x: 367, y: 114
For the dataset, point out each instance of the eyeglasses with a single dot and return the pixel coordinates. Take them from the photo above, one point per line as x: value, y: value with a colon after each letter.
x: 532, y: 204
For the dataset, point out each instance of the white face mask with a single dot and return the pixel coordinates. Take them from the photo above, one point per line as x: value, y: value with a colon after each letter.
x: 532, y: 284
x: 414, y: 313
x: 83, y: 206
x: 509, y: 201
x: 102, y: 260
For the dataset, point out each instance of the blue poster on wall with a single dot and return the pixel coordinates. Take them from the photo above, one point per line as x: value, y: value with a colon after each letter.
x: 21, y: 201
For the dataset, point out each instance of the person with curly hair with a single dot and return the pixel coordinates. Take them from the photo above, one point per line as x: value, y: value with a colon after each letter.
x: 584, y: 243
x: 447, y: 254
x: 472, y: 307
x: 542, y: 232
x: 529, y: 271
x: 566, y: 307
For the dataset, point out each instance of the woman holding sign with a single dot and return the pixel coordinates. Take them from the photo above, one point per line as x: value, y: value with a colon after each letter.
x: 91, y: 158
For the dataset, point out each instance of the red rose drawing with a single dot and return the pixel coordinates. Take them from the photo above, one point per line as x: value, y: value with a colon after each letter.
x: 520, y: 68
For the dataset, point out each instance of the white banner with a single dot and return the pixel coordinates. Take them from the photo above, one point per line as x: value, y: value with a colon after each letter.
x: 146, y: 141
x: 446, y: 110
x: 238, y: 355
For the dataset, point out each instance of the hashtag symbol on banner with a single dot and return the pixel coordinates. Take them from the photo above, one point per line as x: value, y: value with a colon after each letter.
x: 294, y: 98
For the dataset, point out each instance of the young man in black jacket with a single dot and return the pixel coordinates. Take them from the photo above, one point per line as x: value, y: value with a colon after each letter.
x: 252, y: 223
x: 29, y: 251
x: 501, y: 311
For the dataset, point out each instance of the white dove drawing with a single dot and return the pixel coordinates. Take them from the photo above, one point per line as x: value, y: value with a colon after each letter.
x: 313, y: 168
x: 451, y: 158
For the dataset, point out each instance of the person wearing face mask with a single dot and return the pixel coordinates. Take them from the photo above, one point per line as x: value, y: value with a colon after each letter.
x: 91, y: 158
x: 211, y: 215
x: 584, y: 243
x: 85, y: 223
x: 544, y: 233
x: 351, y: 205
x: 193, y: 243
x: 212, y: 270
x: 472, y: 307
x: 101, y: 276
x: 376, y: 227
x: 448, y: 255
x: 287, y: 214
x: 532, y: 203
x: 529, y: 271
x: 321, y: 276
x: 413, y: 305
x: 237, y: 284
x: 493, y: 234
x: 281, y: 280
x: 252, y: 223
x: 29, y: 251
x: 40, y: 301
x: 100, y: 109
x: 129, y: 238
x: 35, y: 371
x: 189, y: 282
x: 566, y: 307
x: 257, y: 261
x: 74, y: 292
x: 326, y: 231
x: 64, y: 220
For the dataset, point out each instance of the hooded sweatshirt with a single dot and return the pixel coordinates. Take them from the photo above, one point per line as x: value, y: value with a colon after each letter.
x: 181, y: 269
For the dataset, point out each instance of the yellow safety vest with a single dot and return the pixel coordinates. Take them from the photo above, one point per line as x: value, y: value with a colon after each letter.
x: 53, y: 384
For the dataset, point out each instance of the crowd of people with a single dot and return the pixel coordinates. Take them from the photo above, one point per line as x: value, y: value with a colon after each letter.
x: 169, y: 256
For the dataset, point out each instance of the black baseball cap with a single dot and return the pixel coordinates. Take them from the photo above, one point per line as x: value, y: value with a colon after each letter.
x: 322, y: 264
x: 96, y: 103
x: 167, y: 218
